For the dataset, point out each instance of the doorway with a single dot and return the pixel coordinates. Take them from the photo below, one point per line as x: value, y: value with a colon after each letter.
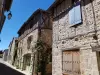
x: 71, y: 62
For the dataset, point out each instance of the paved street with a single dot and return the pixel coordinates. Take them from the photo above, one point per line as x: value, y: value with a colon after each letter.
x: 6, y: 70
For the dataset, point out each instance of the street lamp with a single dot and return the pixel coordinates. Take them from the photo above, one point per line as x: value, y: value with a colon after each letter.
x: 9, y: 15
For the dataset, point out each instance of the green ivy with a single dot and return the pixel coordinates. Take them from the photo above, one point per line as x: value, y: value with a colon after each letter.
x: 41, y: 48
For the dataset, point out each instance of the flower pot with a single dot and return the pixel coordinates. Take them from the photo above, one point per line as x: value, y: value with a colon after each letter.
x: 34, y: 73
x: 39, y: 73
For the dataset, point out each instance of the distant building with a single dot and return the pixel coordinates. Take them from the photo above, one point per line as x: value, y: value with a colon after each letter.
x: 5, y: 5
x: 5, y: 54
x: 12, y: 50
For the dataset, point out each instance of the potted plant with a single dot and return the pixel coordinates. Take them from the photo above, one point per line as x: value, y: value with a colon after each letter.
x: 39, y: 69
x: 42, y: 56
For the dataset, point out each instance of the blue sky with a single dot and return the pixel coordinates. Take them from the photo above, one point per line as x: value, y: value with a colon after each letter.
x: 21, y: 11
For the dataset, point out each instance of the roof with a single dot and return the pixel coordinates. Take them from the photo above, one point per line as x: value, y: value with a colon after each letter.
x: 25, y: 23
x: 7, y: 4
x: 54, y: 4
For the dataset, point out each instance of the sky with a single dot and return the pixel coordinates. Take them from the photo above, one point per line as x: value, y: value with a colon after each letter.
x: 21, y: 10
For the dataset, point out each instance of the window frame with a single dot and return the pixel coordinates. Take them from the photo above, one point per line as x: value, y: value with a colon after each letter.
x: 73, y: 6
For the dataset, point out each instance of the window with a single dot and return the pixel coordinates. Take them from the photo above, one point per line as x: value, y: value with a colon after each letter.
x: 75, y: 14
x: 28, y: 59
x: 29, y: 40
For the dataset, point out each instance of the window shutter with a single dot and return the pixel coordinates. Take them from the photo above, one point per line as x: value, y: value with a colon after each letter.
x: 77, y: 9
x: 75, y: 14
x: 71, y: 16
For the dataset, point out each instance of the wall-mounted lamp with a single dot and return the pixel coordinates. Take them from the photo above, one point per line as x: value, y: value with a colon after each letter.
x: 9, y: 15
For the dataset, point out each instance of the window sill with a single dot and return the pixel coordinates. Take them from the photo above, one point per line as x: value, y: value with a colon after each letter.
x: 75, y: 25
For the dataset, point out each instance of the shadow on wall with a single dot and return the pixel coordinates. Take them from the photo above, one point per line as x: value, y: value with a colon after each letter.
x: 5, y: 70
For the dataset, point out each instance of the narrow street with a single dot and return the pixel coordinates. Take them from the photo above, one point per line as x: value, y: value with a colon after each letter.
x: 6, y: 70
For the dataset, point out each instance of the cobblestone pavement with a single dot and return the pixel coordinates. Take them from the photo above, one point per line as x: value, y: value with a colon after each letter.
x: 6, y: 70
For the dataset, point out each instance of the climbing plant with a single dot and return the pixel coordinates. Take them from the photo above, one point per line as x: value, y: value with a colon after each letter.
x: 15, y: 55
x: 42, y: 56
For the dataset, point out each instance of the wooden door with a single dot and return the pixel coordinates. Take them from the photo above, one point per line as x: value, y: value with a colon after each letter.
x: 71, y: 63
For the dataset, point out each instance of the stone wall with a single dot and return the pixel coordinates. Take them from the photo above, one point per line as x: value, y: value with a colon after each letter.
x: 46, y: 36
x: 66, y: 37
x: 5, y: 54
x: 11, y: 51
x: 23, y: 43
x: 22, y: 49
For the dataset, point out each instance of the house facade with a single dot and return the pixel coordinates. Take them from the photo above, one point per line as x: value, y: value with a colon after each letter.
x: 36, y: 27
x: 11, y: 51
x: 76, y: 37
x: 5, y: 54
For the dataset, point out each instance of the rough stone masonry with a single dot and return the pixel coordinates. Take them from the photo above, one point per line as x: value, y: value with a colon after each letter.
x: 82, y: 36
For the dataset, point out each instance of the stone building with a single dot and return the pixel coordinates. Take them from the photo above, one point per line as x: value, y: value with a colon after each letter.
x: 5, y: 54
x: 36, y: 27
x: 12, y: 51
x: 76, y: 37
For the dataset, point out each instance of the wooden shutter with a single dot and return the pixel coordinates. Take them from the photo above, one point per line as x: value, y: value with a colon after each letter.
x: 71, y: 63
x: 67, y: 62
x: 72, y: 16
x: 76, y: 63
x: 75, y: 14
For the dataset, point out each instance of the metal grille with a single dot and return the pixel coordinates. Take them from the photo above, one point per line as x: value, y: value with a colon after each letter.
x: 71, y: 63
